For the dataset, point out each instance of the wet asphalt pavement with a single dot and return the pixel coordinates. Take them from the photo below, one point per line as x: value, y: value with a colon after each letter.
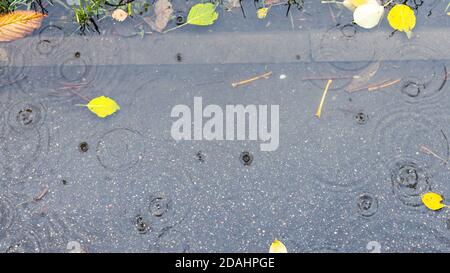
x: 349, y: 181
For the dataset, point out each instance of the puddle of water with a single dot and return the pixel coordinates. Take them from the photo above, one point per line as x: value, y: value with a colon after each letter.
x: 133, y: 188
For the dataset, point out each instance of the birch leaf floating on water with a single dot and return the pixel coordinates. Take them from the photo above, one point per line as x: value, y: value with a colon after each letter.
x: 18, y: 24
x: 402, y: 18
x: 277, y: 247
x: 103, y: 106
x: 202, y: 15
x: 368, y: 15
x: 353, y: 4
x: 433, y: 201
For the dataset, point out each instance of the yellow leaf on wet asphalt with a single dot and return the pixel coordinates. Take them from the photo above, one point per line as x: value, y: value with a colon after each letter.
x: 262, y: 13
x: 103, y: 106
x: 432, y: 201
x: 277, y: 247
x: 18, y: 24
x: 402, y: 18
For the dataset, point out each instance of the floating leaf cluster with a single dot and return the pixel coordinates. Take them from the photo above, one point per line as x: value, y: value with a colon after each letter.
x: 369, y: 13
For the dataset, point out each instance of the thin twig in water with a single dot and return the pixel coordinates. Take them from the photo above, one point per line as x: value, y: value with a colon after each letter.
x: 322, y: 100
x: 428, y: 151
x: 263, y: 76
x: 320, y: 78
x: 383, y: 85
x: 361, y: 79
x: 41, y: 194
x: 209, y: 83
x: 331, y: 2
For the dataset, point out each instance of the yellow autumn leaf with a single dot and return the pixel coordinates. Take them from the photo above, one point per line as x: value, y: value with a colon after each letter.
x: 277, y: 247
x: 18, y: 24
x: 353, y: 4
x: 368, y: 15
x: 103, y: 106
x: 432, y: 201
x: 402, y: 18
x: 119, y: 15
x: 262, y: 13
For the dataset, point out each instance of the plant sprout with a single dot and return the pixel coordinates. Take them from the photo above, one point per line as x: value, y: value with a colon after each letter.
x: 87, y: 13
x: 11, y: 5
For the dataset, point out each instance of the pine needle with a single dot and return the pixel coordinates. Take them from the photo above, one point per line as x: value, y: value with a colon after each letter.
x: 322, y: 100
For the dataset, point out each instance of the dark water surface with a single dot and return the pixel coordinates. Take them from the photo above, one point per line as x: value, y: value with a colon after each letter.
x: 350, y: 180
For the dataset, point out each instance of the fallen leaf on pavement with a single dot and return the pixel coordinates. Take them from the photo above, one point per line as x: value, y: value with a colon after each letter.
x: 433, y: 201
x: 102, y: 106
x: 119, y: 15
x: 163, y: 13
x: 231, y: 4
x: 277, y: 247
x: 402, y: 18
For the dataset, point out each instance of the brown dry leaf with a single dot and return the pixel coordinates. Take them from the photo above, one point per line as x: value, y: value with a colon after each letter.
x: 18, y: 24
x: 271, y: 2
x: 361, y: 79
x: 119, y: 15
x: 163, y: 12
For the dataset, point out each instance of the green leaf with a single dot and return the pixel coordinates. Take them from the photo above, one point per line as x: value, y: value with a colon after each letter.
x: 202, y: 15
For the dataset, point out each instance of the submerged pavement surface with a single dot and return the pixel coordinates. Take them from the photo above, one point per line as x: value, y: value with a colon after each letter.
x: 349, y: 181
